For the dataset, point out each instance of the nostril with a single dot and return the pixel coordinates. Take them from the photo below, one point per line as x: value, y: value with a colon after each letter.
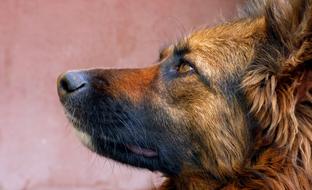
x: 64, y: 85
x: 72, y: 81
x: 71, y: 86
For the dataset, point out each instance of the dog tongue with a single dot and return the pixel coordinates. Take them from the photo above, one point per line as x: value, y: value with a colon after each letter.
x: 142, y: 151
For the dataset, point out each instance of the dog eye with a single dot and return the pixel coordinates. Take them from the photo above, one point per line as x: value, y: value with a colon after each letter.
x: 185, y: 68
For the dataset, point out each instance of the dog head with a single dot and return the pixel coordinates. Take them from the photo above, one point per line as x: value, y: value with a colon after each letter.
x: 194, y: 111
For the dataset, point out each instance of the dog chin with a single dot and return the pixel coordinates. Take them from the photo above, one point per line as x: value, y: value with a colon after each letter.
x: 85, y: 139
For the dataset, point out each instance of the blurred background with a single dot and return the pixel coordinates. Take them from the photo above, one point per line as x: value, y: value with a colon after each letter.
x: 39, y: 39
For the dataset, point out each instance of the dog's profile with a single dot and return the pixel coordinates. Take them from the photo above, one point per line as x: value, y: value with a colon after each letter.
x: 227, y: 107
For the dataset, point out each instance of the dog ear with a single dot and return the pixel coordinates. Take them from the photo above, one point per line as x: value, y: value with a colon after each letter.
x: 278, y: 84
x: 289, y: 28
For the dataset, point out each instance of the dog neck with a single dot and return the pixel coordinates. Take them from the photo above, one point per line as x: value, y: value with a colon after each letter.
x: 192, y: 182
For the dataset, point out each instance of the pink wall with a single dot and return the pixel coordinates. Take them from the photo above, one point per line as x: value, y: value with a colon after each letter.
x: 39, y: 40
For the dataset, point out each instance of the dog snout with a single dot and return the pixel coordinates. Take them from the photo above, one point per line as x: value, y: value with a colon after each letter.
x: 71, y: 82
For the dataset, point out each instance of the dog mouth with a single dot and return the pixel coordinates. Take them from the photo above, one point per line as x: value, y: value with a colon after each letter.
x: 135, y: 147
x: 127, y: 148
x: 105, y: 141
x: 123, y: 147
x: 149, y: 153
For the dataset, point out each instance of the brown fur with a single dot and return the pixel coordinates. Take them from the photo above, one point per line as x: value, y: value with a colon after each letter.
x: 242, y: 119
x: 278, y: 87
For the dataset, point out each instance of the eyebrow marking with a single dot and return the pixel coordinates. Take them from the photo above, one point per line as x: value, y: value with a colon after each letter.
x: 181, y: 48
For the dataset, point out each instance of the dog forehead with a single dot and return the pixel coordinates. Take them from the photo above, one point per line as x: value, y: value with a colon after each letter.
x: 224, y: 43
x: 235, y: 31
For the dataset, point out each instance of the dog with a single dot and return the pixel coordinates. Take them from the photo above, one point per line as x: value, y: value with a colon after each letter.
x: 227, y: 107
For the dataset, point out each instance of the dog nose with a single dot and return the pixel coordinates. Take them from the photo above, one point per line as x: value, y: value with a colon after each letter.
x: 70, y: 82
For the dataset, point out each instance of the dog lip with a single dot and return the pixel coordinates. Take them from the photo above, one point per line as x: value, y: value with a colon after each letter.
x: 142, y: 151
x: 135, y: 149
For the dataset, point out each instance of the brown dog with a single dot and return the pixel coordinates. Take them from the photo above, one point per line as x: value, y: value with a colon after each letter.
x: 228, y: 107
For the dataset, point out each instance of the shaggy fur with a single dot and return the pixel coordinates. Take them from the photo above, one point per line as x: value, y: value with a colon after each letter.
x: 228, y: 107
